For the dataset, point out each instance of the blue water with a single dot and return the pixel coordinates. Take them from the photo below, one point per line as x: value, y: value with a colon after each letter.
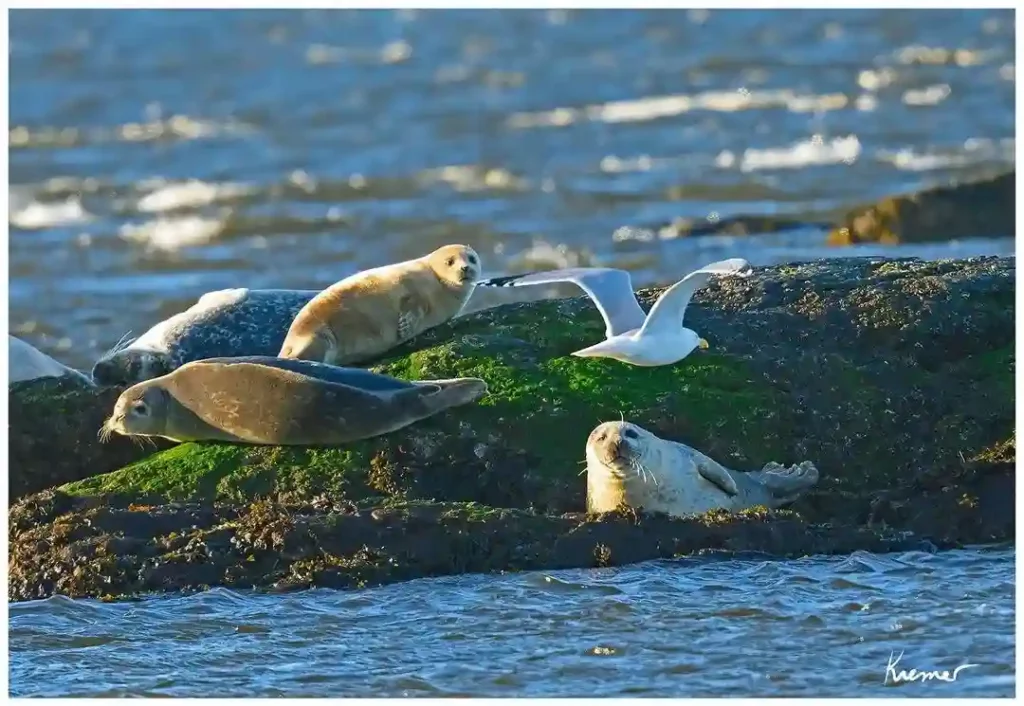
x: 714, y: 626
x: 156, y: 156
x: 159, y: 155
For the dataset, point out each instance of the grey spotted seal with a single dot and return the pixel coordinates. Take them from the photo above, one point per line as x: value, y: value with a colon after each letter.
x: 26, y: 362
x: 222, y: 323
x: 372, y: 311
x: 274, y: 401
x: 626, y: 464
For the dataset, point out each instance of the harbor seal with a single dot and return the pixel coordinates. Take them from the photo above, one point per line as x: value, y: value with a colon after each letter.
x: 223, y: 323
x: 274, y: 401
x: 628, y: 464
x: 372, y: 311
x: 26, y: 362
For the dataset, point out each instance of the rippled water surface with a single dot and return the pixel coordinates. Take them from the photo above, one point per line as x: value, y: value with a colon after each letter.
x: 159, y: 155
x: 711, y: 626
x: 156, y: 156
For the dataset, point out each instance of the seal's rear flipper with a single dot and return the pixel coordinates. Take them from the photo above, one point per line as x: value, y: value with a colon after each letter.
x: 787, y: 484
x: 455, y: 392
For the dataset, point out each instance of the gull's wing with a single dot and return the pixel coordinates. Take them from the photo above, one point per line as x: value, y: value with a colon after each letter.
x: 611, y: 290
x: 667, y: 313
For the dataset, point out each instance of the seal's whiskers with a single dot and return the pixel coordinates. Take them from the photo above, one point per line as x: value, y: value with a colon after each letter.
x: 121, y: 344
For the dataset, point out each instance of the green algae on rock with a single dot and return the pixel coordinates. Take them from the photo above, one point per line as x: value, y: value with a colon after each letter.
x: 518, y: 447
x: 53, y: 434
x: 893, y: 376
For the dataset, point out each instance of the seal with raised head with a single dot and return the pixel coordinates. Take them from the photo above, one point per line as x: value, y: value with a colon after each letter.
x: 223, y: 323
x: 626, y: 464
x: 274, y: 401
x: 26, y: 362
x: 372, y: 311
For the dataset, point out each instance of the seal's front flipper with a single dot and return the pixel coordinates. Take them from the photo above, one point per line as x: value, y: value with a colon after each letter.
x: 717, y: 474
x: 410, y: 317
x: 321, y: 346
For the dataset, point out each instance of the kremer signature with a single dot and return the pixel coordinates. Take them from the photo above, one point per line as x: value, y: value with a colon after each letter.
x: 915, y: 675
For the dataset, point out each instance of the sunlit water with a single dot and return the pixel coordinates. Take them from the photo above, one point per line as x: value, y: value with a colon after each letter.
x: 714, y: 626
x: 158, y: 155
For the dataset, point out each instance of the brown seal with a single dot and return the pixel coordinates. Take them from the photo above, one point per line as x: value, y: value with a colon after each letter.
x: 369, y: 313
x: 267, y: 400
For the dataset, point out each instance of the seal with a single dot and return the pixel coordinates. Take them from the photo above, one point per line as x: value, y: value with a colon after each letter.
x: 372, y: 311
x: 626, y: 464
x: 223, y: 323
x: 26, y: 362
x: 274, y: 401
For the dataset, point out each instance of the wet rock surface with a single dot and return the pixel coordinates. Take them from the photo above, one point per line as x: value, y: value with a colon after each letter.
x: 895, y: 377
x: 982, y: 208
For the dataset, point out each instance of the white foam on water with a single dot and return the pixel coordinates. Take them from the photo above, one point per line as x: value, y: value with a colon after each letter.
x: 473, y: 177
x: 975, y: 151
x: 173, y: 233
x: 172, y: 196
x: 813, y: 151
x: 919, y: 54
x: 179, y: 127
x: 34, y: 215
x: 931, y: 95
x: 655, y: 107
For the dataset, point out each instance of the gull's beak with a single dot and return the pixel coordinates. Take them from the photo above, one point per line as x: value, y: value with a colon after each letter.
x: 702, y: 344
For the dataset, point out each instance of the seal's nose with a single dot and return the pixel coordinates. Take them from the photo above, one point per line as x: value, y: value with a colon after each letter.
x: 466, y: 270
x: 615, y: 448
x: 102, y: 373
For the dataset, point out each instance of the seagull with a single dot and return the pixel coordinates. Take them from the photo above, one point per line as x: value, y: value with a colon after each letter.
x: 631, y: 336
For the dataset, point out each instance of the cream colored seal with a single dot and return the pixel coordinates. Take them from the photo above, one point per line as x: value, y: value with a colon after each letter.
x: 26, y: 362
x: 268, y: 400
x: 369, y: 313
x: 626, y: 464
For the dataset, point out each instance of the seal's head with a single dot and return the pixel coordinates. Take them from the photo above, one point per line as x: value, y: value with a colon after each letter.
x: 620, y: 448
x: 130, y: 366
x: 140, y: 410
x: 456, y: 265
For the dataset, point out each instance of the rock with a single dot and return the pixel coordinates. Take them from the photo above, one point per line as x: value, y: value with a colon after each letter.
x: 895, y: 377
x: 53, y: 426
x: 982, y: 208
x: 114, y: 549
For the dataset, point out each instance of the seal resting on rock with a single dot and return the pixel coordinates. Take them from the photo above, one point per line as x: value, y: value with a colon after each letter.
x: 223, y: 323
x: 267, y: 400
x: 626, y: 464
x: 372, y: 311
x: 26, y: 362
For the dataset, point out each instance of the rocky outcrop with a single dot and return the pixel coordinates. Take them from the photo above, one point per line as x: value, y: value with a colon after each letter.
x: 53, y: 430
x: 974, y: 209
x: 895, y: 377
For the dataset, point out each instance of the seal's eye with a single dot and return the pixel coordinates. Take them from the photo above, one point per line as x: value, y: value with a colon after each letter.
x: 450, y: 261
x: 139, y: 407
x: 629, y: 434
x: 602, y: 435
x: 472, y: 259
